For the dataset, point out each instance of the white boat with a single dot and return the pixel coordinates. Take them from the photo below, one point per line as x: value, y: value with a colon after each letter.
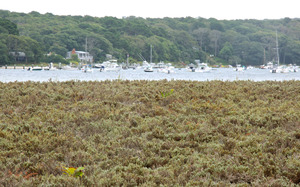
x: 279, y: 68
x: 191, y: 67
x: 269, y: 65
x: 292, y: 68
x: 239, y: 67
x: 159, y: 65
x: 203, y: 68
x: 50, y: 67
x: 98, y: 66
x: 111, y: 65
x: 36, y: 68
x: 148, y: 69
x: 86, y: 69
x: 167, y: 69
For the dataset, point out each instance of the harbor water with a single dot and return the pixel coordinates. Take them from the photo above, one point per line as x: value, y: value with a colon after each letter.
x: 223, y: 74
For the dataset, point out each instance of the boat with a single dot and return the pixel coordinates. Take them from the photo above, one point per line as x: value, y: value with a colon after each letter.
x: 269, y: 65
x: 292, y: 68
x: 50, y: 67
x: 36, y: 68
x: 111, y: 65
x: 239, y: 67
x: 87, y: 69
x: 279, y: 68
x: 203, y: 68
x: 98, y: 66
x: 159, y: 65
x: 191, y: 67
x: 167, y: 69
x: 148, y: 69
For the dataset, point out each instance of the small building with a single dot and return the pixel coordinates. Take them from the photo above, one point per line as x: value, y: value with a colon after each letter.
x: 19, y: 56
x: 82, y: 56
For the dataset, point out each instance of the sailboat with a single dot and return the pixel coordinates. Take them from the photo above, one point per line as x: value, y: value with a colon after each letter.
x: 278, y: 68
x: 149, y: 67
x: 86, y: 68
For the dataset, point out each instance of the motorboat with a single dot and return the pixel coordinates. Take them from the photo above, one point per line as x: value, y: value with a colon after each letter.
x: 148, y: 69
x: 292, y: 68
x: 203, y: 68
x: 167, y: 69
x: 87, y: 69
x: 160, y: 65
x: 111, y: 65
x: 239, y: 67
x: 280, y: 69
x: 35, y: 68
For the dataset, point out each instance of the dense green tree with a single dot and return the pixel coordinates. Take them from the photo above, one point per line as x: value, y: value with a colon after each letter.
x: 173, y: 39
x: 292, y: 55
x: 227, y: 51
x: 214, y: 36
x: 216, y: 25
x: 4, y: 58
x: 54, y: 58
x: 59, y: 50
x: 6, y: 26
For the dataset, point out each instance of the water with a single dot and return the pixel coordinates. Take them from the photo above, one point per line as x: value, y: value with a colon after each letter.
x: 224, y: 74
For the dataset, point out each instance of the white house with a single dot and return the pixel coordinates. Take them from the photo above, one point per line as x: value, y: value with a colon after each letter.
x: 82, y: 55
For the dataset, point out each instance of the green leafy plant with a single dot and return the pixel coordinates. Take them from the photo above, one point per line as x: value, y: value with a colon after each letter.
x: 74, y: 172
x: 164, y: 95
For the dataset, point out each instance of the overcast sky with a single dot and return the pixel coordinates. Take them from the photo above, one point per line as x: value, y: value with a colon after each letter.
x: 219, y: 9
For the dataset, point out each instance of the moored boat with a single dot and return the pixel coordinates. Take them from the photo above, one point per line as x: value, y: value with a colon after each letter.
x: 148, y: 69
x: 203, y: 68
x: 35, y: 68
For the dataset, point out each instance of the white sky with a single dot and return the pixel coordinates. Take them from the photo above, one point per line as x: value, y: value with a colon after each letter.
x: 219, y: 9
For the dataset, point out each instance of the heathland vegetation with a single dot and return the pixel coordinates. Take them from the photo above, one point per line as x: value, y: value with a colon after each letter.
x: 176, y: 40
x: 150, y: 133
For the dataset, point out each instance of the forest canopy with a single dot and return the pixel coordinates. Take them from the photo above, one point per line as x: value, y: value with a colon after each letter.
x: 176, y: 40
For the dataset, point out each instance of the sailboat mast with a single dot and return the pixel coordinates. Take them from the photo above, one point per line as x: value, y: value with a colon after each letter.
x: 127, y: 62
x: 277, y: 49
x: 264, y: 56
x: 85, y: 49
x: 150, y: 53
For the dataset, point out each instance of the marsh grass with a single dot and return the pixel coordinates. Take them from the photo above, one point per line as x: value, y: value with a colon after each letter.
x: 128, y: 133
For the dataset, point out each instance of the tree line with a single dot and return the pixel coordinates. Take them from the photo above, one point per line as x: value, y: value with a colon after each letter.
x: 48, y: 37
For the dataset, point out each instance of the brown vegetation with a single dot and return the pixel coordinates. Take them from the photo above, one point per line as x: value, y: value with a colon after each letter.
x: 128, y: 133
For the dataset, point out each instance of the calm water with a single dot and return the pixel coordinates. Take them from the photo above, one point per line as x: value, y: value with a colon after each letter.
x: 224, y: 74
